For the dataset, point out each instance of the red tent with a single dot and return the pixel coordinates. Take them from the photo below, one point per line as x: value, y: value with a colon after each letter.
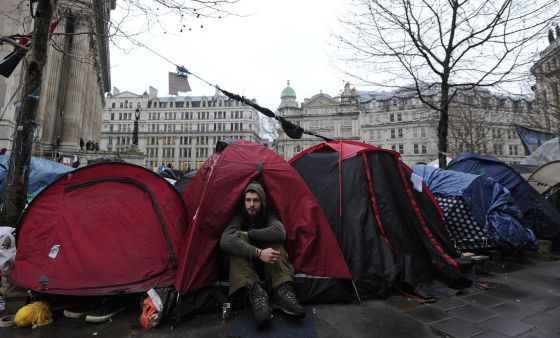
x: 214, y: 194
x: 104, y: 228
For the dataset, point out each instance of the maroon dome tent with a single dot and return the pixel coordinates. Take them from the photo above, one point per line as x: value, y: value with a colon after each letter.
x: 391, y: 234
x: 213, y: 197
x: 105, y: 228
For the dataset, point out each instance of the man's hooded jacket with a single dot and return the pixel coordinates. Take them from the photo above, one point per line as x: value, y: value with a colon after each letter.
x: 265, y: 227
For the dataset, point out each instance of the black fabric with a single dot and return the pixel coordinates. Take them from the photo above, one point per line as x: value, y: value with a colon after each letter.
x: 419, y: 256
x: 182, y: 184
x: 323, y: 290
x: 207, y: 300
x: 11, y: 61
x: 366, y: 252
x: 416, y: 260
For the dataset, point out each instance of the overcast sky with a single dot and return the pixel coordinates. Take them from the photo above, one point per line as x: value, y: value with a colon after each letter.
x: 252, y: 56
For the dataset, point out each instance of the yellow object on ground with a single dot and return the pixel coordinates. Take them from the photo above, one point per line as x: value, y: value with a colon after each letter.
x: 35, y: 314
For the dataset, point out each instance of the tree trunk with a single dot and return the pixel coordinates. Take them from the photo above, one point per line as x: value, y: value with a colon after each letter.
x: 19, y: 166
x: 443, y: 125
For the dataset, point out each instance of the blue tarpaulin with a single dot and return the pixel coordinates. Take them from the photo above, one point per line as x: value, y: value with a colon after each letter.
x: 43, y: 172
x: 489, y: 203
x: 538, y: 214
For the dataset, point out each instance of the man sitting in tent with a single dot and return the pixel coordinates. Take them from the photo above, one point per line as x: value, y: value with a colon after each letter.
x: 254, y: 240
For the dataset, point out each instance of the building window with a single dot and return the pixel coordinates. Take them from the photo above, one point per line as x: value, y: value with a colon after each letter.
x: 398, y: 147
x: 513, y: 150
x: 498, y: 149
x: 419, y: 132
x: 376, y: 134
x: 420, y: 149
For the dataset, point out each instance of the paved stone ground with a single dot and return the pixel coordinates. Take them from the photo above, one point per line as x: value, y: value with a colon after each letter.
x: 523, y: 301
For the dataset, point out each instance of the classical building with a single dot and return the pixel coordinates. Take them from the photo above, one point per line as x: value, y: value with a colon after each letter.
x: 180, y: 132
x: 75, y: 78
x: 479, y: 122
x: 546, y: 72
x: 332, y: 117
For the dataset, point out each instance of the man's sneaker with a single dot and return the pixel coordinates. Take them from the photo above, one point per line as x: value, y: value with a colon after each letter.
x: 285, y: 299
x: 259, y: 301
x: 107, y: 309
x: 79, y: 311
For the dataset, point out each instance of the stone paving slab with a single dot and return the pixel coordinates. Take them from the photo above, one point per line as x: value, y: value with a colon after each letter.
x: 482, y: 299
x: 507, y: 326
x: 474, y: 313
x: 429, y: 314
x: 514, y: 311
x: 545, y: 322
x: 450, y: 303
x: 458, y: 327
x: 490, y: 334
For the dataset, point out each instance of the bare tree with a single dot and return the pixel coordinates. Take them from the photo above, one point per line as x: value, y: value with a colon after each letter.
x: 450, y: 46
x: 269, y: 129
x: 157, y: 12
x: 468, y: 129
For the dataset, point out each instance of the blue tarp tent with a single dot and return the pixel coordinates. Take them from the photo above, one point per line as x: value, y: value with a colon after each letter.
x: 538, y: 214
x: 495, y: 214
x: 43, y: 172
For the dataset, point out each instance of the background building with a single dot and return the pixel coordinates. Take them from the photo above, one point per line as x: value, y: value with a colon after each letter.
x: 332, y: 117
x: 180, y: 132
x: 546, y: 72
x: 479, y: 122
x: 75, y: 77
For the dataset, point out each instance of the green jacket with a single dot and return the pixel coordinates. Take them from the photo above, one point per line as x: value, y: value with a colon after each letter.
x: 263, y: 228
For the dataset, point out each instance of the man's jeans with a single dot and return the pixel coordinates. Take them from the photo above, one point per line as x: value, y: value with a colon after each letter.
x: 242, y: 270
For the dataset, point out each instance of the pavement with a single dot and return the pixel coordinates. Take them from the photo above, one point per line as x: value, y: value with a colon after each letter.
x: 523, y: 300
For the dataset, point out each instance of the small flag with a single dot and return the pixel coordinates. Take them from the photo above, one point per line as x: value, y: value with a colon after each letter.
x: 179, y: 82
x: 532, y: 139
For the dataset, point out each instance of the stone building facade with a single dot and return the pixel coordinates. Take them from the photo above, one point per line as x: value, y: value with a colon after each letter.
x: 332, y: 117
x: 546, y: 72
x: 398, y: 120
x: 179, y: 132
x: 75, y: 78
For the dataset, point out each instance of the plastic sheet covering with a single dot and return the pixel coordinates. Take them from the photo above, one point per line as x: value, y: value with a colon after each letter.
x: 547, y: 152
x: 43, y: 173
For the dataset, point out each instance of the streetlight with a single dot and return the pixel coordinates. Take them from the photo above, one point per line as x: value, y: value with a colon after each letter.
x: 135, y: 131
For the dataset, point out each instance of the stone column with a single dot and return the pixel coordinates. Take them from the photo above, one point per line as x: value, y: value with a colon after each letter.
x: 48, y: 105
x: 75, y: 89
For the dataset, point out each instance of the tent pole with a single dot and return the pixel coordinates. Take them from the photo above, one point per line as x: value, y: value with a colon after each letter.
x: 356, y: 291
x: 178, y: 305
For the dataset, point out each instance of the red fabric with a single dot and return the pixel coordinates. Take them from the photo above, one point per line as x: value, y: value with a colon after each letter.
x: 110, y: 237
x: 214, y: 195
x: 345, y: 148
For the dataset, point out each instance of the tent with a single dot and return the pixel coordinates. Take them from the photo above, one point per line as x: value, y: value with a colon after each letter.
x: 43, y: 172
x: 538, y: 214
x: 479, y: 212
x: 390, y: 229
x: 546, y: 181
x: 215, y: 194
x: 101, y: 229
x: 547, y: 152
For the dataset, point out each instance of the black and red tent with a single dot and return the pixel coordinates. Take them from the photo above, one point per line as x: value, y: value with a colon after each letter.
x: 214, y: 195
x: 102, y: 229
x: 392, y: 235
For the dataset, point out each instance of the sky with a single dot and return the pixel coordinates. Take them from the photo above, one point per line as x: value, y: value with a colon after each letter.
x: 253, y: 56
